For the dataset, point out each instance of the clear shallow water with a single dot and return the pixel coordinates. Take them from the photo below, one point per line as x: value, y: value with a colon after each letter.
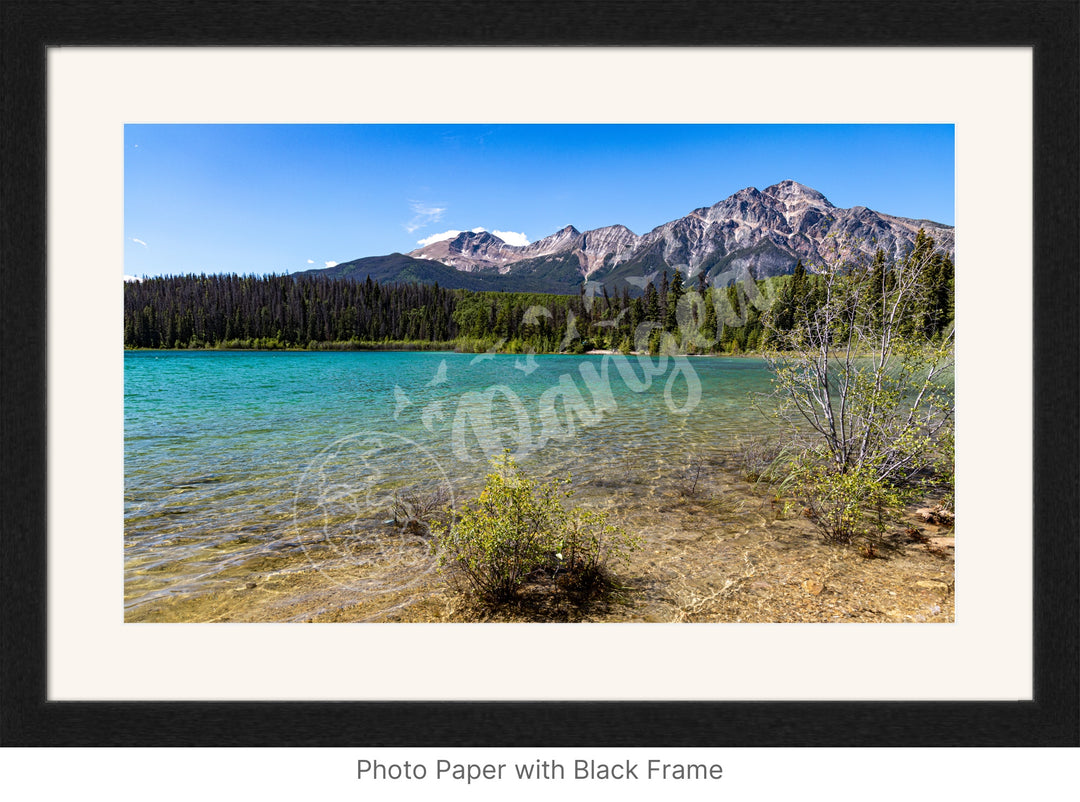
x: 234, y: 457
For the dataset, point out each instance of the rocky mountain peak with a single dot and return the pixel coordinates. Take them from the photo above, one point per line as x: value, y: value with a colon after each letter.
x: 556, y: 241
x: 763, y: 232
x: 475, y: 238
x: 792, y: 190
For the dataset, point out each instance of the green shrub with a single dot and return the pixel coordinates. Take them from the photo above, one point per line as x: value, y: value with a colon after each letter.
x: 849, y: 506
x: 588, y: 545
x: 517, y: 529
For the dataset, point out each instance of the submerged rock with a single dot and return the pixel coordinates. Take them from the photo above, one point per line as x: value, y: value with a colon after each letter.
x: 813, y: 587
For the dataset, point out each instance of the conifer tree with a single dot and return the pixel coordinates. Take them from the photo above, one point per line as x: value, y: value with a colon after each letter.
x: 652, y: 304
x: 674, y: 293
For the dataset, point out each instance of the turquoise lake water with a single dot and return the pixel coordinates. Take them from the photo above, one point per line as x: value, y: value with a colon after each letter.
x: 232, y: 455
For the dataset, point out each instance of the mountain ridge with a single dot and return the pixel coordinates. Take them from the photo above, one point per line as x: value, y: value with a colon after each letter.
x: 756, y: 233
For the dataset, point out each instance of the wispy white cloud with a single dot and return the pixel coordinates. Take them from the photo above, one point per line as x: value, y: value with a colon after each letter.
x: 331, y: 264
x: 438, y: 237
x: 131, y: 278
x: 136, y: 239
x: 512, y: 237
x: 311, y: 261
x: 423, y: 215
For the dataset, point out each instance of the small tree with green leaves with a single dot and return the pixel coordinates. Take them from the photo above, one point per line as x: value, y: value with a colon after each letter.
x: 873, y: 390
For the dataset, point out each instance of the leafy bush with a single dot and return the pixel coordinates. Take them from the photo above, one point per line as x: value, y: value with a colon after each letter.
x: 588, y: 545
x: 846, y: 507
x: 518, y: 529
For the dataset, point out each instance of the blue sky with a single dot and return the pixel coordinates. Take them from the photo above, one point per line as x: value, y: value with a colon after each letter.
x: 257, y: 199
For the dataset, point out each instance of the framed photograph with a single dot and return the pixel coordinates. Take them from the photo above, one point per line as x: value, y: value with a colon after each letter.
x: 260, y: 437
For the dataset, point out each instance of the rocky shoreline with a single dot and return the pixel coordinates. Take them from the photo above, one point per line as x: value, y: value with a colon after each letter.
x: 731, y: 552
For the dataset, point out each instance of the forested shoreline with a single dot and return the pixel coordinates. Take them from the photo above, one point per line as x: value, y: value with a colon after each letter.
x: 307, y: 312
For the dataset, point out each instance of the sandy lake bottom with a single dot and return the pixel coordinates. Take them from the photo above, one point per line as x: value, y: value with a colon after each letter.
x: 730, y: 551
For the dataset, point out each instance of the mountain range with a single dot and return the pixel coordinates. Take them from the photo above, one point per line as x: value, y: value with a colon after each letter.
x: 759, y: 233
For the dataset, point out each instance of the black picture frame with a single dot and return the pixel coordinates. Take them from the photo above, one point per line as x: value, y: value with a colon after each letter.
x: 1052, y: 29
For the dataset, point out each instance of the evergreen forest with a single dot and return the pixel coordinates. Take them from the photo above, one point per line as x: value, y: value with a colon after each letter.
x: 316, y: 312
